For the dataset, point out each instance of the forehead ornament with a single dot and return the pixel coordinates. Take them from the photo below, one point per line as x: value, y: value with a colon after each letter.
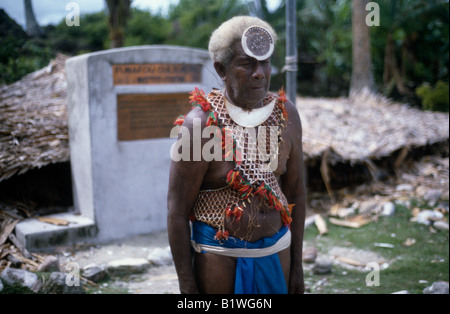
x: 257, y: 43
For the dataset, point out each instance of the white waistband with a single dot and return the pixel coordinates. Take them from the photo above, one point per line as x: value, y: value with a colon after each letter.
x: 283, y: 243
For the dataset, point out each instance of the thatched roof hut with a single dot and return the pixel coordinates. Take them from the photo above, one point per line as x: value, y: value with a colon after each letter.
x: 348, y: 142
x: 368, y: 127
x: 34, y: 132
x: 33, y: 121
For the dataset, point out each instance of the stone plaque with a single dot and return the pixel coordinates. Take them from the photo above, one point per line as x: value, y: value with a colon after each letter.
x: 122, y: 104
x: 148, y: 74
x: 148, y: 116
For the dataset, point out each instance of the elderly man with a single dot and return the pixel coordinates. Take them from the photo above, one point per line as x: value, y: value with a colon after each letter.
x: 236, y: 223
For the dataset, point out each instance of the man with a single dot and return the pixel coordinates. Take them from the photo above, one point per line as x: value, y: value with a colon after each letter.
x: 247, y: 209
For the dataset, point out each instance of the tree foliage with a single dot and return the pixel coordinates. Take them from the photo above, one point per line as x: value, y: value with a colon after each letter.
x: 325, y: 46
x: 411, y: 45
x: 19, y: 53
x: 409, y: 48
x: 147, y: 29
x: 92, y: 35
x: 194, y: 21
x: 435, y: 99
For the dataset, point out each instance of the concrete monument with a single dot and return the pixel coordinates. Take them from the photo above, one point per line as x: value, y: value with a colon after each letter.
x: 122, y: 104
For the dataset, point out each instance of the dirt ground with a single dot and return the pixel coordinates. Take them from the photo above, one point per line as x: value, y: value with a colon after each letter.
x: 428, y: 173
x: 156, y: 280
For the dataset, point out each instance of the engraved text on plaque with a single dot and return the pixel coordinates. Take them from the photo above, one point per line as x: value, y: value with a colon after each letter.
x: 149, y: 116
x: 137, y: 74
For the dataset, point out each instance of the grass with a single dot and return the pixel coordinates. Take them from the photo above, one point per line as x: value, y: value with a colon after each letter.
x: 409, y: 266
x: 114, y: 285
x: 15, y: 289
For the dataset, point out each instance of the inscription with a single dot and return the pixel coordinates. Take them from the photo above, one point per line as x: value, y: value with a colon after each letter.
x: 150, y: 74
x: 149, y: 116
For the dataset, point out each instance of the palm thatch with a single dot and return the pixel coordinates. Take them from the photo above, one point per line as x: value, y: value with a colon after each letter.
x: 368, y: 127
x: 33, y: 121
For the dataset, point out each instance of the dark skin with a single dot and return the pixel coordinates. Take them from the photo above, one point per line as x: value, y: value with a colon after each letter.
x: 247, y: 82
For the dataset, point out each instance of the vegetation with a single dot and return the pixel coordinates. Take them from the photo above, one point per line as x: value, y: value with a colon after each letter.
x: 409, y: 48
x: 436, y: 99
x: 411, y: 45
x: 194, y: 21
x: 410, y: 268
x: 19, y: 54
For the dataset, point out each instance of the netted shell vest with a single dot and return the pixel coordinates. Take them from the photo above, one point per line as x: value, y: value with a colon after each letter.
x: 251, y: 179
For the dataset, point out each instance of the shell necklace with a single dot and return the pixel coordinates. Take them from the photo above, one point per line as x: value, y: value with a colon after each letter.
x: 249, y: 118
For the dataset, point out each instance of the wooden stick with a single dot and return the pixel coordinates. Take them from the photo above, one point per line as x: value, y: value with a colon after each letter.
x: 20, y: 246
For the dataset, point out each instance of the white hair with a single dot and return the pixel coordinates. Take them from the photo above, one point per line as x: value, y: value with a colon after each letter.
x: 220, y: 43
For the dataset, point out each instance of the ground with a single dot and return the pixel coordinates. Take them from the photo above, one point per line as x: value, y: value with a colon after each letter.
x: 409, y: 256
x: 155, y: 280
x: 403, y: 266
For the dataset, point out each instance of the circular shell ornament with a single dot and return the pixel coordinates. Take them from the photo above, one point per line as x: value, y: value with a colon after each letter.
x: 257, y: 43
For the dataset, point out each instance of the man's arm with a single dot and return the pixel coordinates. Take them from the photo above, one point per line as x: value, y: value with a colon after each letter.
x: 295, y: 192
x: 184, y: 185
